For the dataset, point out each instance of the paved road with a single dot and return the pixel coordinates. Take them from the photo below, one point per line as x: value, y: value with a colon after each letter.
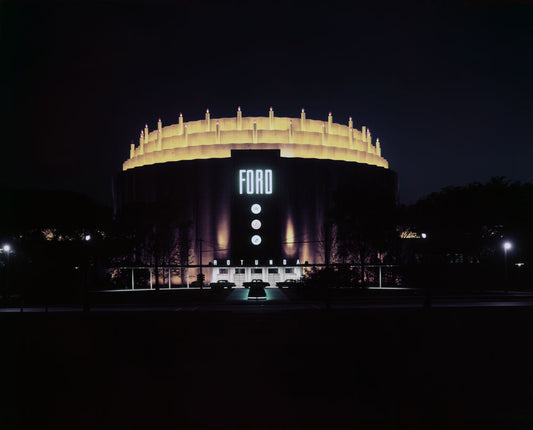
x: 277, y: 300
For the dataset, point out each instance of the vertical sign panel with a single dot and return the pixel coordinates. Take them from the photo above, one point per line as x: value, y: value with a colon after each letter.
x: 255, y: 215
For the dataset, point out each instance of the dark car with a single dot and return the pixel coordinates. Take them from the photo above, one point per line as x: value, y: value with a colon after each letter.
x: 221, y: 284
x: 257, y: 292
x: 289, y: 283
x: 255, y: 283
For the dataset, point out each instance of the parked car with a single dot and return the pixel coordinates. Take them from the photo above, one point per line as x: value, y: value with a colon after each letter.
x: 255, y: 283
x: 257, y: 292
x: 289, y: 283
x: 221, y: 284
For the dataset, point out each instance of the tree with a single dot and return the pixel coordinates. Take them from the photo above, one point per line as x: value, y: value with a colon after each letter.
x: 468, y: 224
x: 473, y: 219
x: 158, y: 235
x: 365, y: 225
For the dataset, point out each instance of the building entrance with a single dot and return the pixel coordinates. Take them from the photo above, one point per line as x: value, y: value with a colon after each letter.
x: 270, y: 274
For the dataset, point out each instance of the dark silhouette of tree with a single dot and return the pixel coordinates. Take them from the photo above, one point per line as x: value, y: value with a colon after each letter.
x: 468, y: 224
x: 157, y: 235
x: 473, y: 219
x: 46, y: 230
x: 365, y: 225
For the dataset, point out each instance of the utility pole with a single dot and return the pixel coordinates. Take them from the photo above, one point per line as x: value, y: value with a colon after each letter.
x: 156, y: 255
x: 201, y: 273
x: 327, y: 239
x: 326, y: 244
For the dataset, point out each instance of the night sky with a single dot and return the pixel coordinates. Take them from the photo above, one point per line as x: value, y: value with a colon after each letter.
x: 448, y: 90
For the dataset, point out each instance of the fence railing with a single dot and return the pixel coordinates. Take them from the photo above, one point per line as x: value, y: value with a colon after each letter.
x: 148, y: 277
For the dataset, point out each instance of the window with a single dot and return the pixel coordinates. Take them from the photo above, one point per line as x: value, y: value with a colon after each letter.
x: 273, y: 270
x: 289, y: 270
x: 239, y: 271
x: 222, y: 271
x: 257, y: 271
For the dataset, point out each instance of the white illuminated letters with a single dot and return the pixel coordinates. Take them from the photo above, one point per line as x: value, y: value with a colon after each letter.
x: 259, y: 182
x: 268, y: 181
x: 255, y: 181
x: 249, y: 182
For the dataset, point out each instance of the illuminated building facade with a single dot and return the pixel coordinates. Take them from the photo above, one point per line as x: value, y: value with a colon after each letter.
x: 255, y: 190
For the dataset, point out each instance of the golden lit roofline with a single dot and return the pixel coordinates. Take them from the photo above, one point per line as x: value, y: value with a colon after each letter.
x: 215, y: 138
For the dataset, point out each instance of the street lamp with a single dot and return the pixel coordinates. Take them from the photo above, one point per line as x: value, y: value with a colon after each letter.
x: 7, y: 250
x: 506, y: 247
x: 86, y: 275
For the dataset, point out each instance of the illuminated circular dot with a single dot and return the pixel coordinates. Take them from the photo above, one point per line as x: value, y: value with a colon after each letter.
x: 256, y: 239
x: 256, y: 224
x: 256, y: 208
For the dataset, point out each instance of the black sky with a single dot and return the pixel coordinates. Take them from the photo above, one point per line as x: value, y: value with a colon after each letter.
x: 448, y: 89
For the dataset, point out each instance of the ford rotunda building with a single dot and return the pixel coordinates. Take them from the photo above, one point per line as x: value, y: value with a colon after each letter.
x: 254, y: 192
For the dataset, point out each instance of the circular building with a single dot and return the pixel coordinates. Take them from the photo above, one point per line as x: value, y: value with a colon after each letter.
x: 248, y: 197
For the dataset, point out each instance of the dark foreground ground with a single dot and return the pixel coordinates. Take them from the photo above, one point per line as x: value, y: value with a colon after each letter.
x: 410, y: 368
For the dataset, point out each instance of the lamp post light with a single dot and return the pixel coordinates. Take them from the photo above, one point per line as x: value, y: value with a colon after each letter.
x: 506, y: 247
x: 85, y: 282
x: 6, y: 250
x: 427, y: 300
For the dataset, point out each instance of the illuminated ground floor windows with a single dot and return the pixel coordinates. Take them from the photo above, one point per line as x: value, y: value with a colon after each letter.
x: 238, y: 275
